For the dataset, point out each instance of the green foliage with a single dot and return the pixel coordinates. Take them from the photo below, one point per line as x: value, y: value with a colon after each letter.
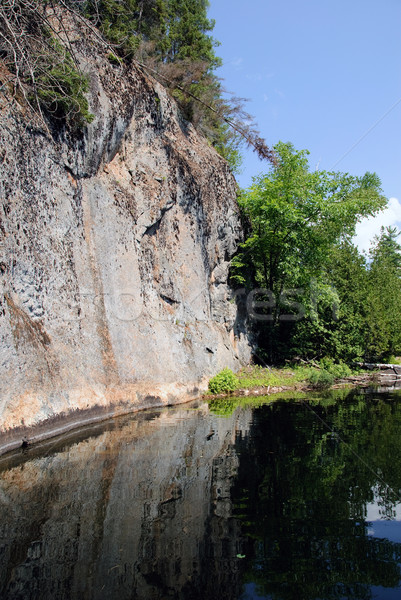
x: 228, y: 146
x: 294, y: 376
x: 338, y: 370
x: 224, y: 381
x: 36, y: 48
x: 297, y: 221
x: 321, y: 379
x: 383, y: 299
x: 61, y: 87
x: 385, y: 248
x: 369, y: 317
x: 126, y: 22
x: 115, y: 60
x: 257, y: 376
x: 297, y: 216
x: 185, y: 26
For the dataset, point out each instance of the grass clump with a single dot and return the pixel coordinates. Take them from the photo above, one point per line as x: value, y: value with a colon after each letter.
x: 114, y: 59
x: 328, y: 372
x: 223, y: 382
x: 257, y: 376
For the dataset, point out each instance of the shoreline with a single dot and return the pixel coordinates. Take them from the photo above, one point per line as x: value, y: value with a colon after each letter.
x: 21, y: 438
x: 363, y: 380
x: 112, y: 403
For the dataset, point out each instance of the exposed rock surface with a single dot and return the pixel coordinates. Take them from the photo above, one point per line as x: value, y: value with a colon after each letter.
x: 114, y: 254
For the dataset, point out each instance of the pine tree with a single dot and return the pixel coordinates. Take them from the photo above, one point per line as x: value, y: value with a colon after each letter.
x: 386, y: 248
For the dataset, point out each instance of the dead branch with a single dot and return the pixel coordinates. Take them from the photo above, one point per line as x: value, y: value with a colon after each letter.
x: 35, y: 46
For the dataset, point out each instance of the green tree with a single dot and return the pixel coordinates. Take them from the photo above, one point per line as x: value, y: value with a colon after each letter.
x: 186, y: 33
x: 297, y: 218
x: 383, y: 300
x: 341, y: 335
x: 347, y: 271
x: 385, y: 247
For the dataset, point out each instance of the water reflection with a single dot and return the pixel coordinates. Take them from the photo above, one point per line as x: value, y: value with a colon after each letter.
x: 138, y: 511
x: 290, y: 500
x: 305, y: 491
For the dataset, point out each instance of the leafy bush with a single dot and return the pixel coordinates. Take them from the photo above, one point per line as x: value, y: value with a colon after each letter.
x: 321, y: 379
x: 338, y: 370
x: 225, y: 381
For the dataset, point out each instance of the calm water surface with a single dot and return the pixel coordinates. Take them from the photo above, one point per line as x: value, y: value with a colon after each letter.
x: 289, y: 500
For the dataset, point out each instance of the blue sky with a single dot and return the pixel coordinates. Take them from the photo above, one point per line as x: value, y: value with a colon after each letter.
x: 324, y: 75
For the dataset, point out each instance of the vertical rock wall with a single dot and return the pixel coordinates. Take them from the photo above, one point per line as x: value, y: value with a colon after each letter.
x: 114, y: 255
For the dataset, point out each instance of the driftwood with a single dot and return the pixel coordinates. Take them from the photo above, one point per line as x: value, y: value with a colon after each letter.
x: 384, y: 368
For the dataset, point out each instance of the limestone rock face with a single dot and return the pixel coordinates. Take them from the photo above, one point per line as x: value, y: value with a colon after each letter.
x: 114, y: 253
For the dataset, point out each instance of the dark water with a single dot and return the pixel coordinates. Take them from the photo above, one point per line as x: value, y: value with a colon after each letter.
x: 287, y: 500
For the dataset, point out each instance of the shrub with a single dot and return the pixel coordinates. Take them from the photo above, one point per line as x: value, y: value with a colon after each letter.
x: 321, y: 379
x: 338, y: 370
x: 225, y: 381
x: 114, y: 59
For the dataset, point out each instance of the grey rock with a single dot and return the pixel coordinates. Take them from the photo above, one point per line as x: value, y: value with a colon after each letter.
x: 114, y: 254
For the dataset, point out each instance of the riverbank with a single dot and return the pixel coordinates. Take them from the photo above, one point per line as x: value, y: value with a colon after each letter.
x: 264, y: 381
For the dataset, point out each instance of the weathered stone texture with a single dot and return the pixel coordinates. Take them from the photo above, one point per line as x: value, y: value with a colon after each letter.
x: 114, y: 254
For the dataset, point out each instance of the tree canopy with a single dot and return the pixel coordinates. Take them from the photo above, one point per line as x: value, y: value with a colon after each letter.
x: 312, y: 282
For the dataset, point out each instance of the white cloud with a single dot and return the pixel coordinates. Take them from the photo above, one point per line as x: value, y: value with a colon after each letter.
x: 368, y: 228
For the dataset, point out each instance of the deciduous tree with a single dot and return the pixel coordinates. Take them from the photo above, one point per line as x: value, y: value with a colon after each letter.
x: 297, y: 217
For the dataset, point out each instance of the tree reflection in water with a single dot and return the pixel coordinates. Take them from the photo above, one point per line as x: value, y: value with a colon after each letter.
x: 185, y: 503
x: 306, y: 475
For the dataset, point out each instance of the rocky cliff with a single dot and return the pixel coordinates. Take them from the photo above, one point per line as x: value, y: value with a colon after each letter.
x: 114, y: 252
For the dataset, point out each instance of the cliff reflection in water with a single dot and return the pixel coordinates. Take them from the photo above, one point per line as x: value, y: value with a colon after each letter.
x: 139, y: 511
x: 290, y: 500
